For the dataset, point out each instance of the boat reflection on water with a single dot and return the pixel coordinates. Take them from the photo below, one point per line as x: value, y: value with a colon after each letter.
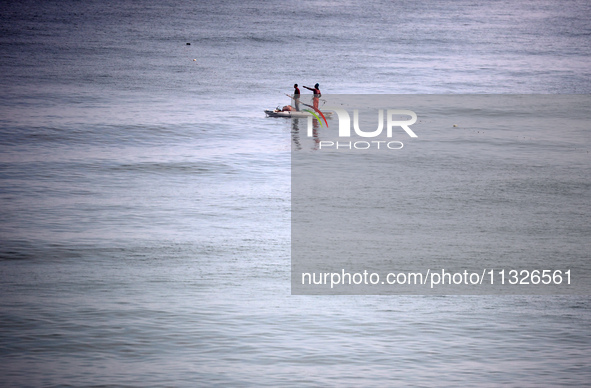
x: 295, y: 133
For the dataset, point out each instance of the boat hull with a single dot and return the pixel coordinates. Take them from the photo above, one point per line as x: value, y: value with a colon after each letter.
x: 291, y: 114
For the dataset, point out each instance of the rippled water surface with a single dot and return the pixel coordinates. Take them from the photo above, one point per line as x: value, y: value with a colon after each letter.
x: 145, y: 198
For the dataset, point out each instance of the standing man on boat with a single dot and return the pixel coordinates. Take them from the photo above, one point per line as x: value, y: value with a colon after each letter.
x: 296, y: 97
x: 317, y: 94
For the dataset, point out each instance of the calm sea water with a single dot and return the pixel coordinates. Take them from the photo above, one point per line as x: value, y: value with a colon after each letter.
x: 145, y: 198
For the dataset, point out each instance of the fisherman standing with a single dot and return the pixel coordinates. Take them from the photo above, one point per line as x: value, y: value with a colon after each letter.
x: 296, y: 97
x: 317, y: 95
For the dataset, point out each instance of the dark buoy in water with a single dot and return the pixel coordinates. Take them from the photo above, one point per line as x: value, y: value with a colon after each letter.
x: 188, y: 44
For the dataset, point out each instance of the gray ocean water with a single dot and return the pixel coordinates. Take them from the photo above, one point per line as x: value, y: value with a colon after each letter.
x: 506, y: 187
x: 145, y: 198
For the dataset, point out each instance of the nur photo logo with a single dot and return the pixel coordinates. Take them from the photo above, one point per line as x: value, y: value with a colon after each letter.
x: 390, y: 121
